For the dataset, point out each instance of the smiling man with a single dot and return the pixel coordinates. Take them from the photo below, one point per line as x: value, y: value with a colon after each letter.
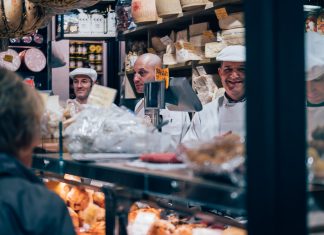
x: 83, y: 80
x: 227, y: 112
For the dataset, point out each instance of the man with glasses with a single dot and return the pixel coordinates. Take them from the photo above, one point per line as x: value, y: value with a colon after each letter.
x: 178, y: 122
x: 227, y: 112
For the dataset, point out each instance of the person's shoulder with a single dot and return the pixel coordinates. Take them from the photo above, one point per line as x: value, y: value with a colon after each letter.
x: 23, y: 191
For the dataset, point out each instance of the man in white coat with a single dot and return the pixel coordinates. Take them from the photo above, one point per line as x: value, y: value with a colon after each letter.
x: 226, y: 113
x: 314, y: 51
x: 178, y: 122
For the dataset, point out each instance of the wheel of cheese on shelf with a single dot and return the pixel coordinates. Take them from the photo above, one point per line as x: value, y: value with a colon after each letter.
x: 144, y: 11
x: 232, y: 21
x: 34, y: 59
x: 168, y: 8
x: 188, y: 5
x: 234, y: 36
x: 10, y: 60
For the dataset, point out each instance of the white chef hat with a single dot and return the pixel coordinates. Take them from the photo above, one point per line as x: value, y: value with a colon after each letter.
x: 314, y: 53
x: 91, y: 73
x: 234, y: 53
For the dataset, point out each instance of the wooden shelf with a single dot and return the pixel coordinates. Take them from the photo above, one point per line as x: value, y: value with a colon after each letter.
x: 231, y: 6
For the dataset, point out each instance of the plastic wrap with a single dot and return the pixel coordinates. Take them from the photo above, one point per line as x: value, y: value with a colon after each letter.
x: 221, y: 159
x: 112, y: 130
x: 52, y: 116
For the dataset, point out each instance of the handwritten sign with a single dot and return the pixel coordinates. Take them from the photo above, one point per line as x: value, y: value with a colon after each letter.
x: 221, y: 13
x: 162, y: 74
x: 102, y: 96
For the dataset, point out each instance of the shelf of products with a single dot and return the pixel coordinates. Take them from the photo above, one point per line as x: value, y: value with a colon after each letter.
x: 186, y: 17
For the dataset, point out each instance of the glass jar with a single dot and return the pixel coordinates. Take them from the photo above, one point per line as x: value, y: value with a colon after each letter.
x: 98, y: 67
x: 79, y: 48
x: 98, y: 57
x: 91, y: 56
x: 92, y: 66
x: 79, y: 62
x: 72, y: 48
x: 72, y: 63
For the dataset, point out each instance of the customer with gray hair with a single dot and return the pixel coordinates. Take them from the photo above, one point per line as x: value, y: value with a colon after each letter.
x: 27, y: 206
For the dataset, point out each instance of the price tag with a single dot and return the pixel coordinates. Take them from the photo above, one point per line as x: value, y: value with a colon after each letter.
x: 201, y: 70
x: 162, y: 74
x: 8, y: 58
x: 166, y: 40
x: 188, y: 46
x: 221, y: 13
x: 102, y: 96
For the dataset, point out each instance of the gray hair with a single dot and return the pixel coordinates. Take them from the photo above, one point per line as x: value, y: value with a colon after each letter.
x: 21, y: 109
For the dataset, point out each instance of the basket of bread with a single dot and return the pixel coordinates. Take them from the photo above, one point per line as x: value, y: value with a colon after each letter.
x: 221, y: 159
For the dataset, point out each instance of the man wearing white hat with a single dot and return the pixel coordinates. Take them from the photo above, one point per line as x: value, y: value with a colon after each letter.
x: 227, y: 112
x: 314, y: 51
x: 83, y: 80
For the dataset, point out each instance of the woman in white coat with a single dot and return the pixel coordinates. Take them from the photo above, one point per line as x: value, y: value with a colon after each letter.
x: 227, y: 112
x: 314, y: 81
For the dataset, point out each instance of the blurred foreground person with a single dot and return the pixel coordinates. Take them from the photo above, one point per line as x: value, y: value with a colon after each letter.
x: 27, y: 206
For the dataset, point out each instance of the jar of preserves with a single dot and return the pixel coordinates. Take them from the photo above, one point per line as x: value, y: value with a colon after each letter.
x: 98, y: 57
x: 92, y: 56
x: 72, y: 64
x: 79, y: 62
x: 72, y: 48
x: 79, y: 48
x: 92, y: 66
x: 98, y: 67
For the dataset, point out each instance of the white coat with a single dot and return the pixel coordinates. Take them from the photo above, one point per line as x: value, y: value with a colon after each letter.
x: 315, y: 118
x: 217, y: 118
x: 177, y: 126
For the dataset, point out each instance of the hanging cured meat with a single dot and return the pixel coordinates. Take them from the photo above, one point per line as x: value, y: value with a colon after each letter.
x: 10, y: 60
x: 34, y: 59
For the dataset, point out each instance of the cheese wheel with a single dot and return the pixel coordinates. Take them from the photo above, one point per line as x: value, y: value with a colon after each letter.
x: 213, y: 48
x: 10, y: 60
x: 232, y: 21
x: 234, y: 36
x: 34, y: 59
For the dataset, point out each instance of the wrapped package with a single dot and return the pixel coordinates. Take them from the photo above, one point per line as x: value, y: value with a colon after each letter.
x: 185, y: 51
x: 213, y: 48
x: 169, y: 58
x: 232, y: 21
x: 222, y: 158
x: 234, y: 36
x: 205, y: 88
x: 197, y: 29
x: 52, y: 116
x: 113, y: 130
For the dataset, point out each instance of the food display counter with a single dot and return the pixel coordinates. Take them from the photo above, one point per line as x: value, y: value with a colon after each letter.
x: 177, y: 185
